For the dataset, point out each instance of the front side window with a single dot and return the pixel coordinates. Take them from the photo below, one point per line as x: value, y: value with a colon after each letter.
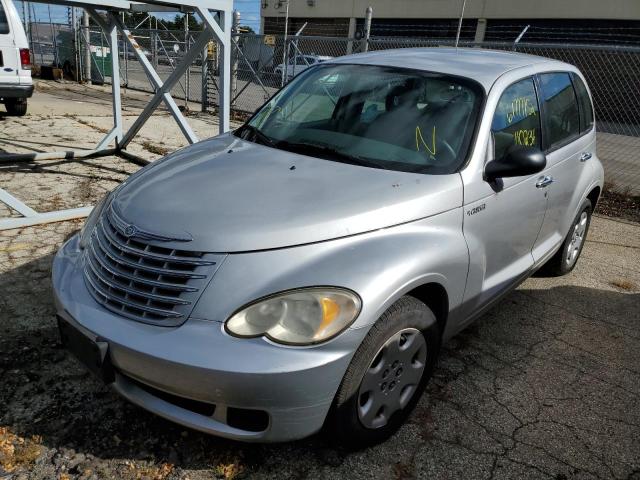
x: 561, y: 108
x: 382, y: 117
x: 516, y: 122
x: 586, y: 108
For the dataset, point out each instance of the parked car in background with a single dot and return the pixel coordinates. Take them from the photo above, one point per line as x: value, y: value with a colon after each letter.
x: 16, y: 85
x: 299, y: 63
x: 305, y: 269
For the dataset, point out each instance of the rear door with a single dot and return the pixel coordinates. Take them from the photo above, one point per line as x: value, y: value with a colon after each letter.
x: 569, y: 133
x: 9, y: 54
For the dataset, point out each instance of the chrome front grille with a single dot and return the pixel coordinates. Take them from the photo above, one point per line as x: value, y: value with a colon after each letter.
x: 144, y: 282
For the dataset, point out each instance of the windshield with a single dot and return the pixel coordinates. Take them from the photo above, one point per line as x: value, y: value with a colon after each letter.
x: 382, y: 117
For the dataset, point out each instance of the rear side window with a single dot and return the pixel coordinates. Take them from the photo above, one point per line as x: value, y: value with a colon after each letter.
x: 562, y: 119
x: 586, y: 109
x: 517, y: 118
x: 4, y: 23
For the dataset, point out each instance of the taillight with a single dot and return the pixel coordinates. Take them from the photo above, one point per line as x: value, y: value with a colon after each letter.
x: 25, y: 58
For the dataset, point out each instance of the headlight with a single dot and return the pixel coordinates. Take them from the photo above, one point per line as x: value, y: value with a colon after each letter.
x: 91, y: 221
x: 298, y: 317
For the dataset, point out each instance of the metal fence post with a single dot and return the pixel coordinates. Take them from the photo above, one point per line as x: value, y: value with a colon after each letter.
x: 234, y: 69
x: 285, y: 60
x: 203, y: 82
x: 367, y: 28
x: 186, y: 75
x: 87, y: 47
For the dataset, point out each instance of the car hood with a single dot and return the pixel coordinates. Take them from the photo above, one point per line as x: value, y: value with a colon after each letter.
x: 230, y: 195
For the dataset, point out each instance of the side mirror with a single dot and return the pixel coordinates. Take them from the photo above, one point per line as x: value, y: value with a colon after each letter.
x: 517, y: 162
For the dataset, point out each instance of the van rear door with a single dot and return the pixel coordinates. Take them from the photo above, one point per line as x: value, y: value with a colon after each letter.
x: 9, y: 51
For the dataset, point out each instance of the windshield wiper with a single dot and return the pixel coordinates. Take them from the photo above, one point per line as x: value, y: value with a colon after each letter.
x: 328, y: 152
x: 258, y: 136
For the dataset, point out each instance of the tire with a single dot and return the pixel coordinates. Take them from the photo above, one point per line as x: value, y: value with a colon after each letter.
x: 354, y: 420
x: 16, y: 107
x: 561, y: 264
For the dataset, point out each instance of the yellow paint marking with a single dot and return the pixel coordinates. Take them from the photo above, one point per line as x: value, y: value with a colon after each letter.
x: 420, y: 139
x: 15, y: 248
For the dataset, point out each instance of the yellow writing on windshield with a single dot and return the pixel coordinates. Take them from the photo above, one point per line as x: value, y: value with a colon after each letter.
x: 521, y: 107
x: 525, y: 137
x: 420, y: 140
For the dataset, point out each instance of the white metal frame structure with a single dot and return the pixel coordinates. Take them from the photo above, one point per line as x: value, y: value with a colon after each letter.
x: 217, y: 18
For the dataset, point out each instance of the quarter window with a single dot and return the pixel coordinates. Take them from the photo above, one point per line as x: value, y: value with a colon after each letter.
x: 561, y: 108
x: 586, y: 109
x: 516, y: 122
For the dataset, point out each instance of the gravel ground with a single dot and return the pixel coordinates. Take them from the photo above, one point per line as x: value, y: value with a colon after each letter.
x: 546, y: 385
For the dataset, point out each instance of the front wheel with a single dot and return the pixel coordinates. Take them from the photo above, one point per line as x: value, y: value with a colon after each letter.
x: 16, y: 107
x: 387, y: 375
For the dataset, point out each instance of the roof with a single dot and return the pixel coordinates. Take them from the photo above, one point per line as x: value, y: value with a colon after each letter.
x: 484, y: 66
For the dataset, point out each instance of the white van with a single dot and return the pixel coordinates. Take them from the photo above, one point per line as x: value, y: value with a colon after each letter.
x: 15, y: 61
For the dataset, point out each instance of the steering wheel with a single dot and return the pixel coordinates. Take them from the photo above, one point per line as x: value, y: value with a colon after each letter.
x: 445, y: 154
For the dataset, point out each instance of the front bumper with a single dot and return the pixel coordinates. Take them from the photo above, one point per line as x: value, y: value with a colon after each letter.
x: 15, y: 91
x: 199, y: 361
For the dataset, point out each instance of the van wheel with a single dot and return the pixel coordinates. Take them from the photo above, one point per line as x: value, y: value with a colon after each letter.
x: 387, y: 375
x: 566, y: 258
x: 16, y: 107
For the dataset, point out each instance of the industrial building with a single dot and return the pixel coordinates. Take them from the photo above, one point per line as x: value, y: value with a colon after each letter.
x: 575, y: 21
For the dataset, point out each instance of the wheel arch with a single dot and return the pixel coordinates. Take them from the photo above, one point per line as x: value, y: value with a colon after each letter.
x: 594, y: 195
x: 435, y: 296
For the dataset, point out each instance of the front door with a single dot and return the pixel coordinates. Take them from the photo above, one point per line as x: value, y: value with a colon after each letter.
x: 502, y: 222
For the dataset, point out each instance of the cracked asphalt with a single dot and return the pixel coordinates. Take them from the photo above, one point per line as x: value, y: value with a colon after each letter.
x: 545, y: 385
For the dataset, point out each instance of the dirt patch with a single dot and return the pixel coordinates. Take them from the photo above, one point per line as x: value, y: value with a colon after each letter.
x: 623, y: 284
x: 619, y: 204
x: 155, y: 148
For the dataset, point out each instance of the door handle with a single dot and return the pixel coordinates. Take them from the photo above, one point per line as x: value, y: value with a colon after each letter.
x: 544, y: 181
x: 585, y: 156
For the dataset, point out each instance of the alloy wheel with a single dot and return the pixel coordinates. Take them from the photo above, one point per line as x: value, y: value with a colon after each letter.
x: 577, y: 238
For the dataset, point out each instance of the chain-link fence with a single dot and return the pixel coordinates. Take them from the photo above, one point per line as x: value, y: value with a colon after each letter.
x: 261, y: 64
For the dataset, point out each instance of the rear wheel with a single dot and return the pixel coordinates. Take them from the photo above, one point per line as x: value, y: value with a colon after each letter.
x: 16, y: 107
x: 387, y: 375
x: 566, y: 258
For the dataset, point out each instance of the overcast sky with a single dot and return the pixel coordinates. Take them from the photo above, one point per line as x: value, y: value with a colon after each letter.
x: 249, y: 12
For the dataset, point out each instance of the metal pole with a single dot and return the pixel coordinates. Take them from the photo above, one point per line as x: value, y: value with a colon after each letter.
x: 155, y: 45
x: 74, y: 43
x: 203, y: 82
x: 35, y: 20
x: 56, y: 59
x: 368, y: 14
x: 125, y: 54
x: 284, y: 44
x: 29, y: 31
x: 24, y: 19
x: 464, y: 3
x: 87, y: 47
x: 186, y: 47
x: 234, y: 70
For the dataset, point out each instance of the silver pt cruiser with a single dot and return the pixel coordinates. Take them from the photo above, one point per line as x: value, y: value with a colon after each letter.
x: 302, y: 271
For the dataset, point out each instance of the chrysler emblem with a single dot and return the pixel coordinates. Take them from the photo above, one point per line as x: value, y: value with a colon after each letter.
x: 130, y: 231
